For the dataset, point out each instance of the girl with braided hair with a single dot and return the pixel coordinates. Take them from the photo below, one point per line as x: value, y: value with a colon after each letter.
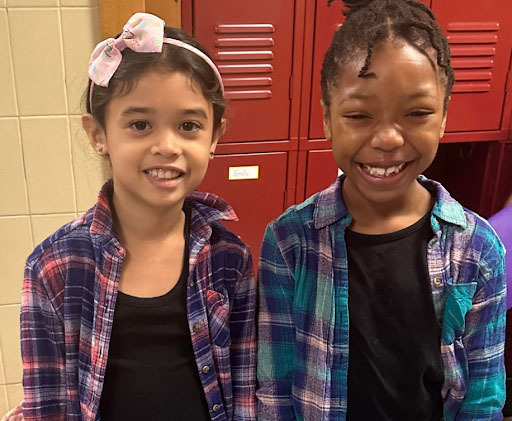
x: 381, y: 297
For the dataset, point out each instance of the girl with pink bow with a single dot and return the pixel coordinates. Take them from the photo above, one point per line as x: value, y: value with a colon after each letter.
x: 143, y: 308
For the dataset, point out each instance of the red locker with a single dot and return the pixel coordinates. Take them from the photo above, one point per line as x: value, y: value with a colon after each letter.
x: 255, y: 185
x: 320, y: 172
x: 252, y: 44
x: 468, y: 171
x: 480, y: 40
x: 504, y: 177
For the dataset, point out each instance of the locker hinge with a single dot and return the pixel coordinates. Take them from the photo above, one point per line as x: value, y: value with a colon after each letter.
x: 290, y: 93
x: 285, y: 199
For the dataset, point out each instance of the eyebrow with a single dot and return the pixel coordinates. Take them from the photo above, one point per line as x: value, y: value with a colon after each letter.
x: 198, y: 112
x: 421, y: 93
x: 138, y: 110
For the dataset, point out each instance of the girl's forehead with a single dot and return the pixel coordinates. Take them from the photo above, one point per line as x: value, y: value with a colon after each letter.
x: 397, y: 69
x: 175, y: 86
x: 165, y: 92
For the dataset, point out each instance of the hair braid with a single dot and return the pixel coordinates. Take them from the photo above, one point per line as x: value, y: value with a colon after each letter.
x: 370, y: 22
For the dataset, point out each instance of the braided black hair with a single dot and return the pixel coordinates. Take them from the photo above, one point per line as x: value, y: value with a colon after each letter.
x: 370, y: 22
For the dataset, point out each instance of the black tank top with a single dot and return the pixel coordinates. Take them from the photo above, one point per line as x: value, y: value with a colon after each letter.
x: 151, y: 370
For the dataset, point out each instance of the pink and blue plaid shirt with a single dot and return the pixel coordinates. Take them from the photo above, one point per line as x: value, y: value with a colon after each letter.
x: 68, y: 302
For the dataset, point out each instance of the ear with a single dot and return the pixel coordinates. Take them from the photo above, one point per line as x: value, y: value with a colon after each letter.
x: 218, y: 134
x: 95, y: 133
x: 443, y: 125
x: 326, y: 120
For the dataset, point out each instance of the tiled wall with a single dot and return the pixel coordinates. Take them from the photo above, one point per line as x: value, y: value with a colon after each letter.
x: 48, y: 172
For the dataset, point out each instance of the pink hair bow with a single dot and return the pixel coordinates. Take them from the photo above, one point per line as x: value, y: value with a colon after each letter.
x: 143, y: 33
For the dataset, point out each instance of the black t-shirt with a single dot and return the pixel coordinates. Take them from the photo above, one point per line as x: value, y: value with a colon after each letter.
x: 395, y: 367
x: 151, y: 370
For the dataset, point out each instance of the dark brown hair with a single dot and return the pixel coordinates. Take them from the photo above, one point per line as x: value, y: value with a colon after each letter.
x: 171, y: 59
x: 370, y: 22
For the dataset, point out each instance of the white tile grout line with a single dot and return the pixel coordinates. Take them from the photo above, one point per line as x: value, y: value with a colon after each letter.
x: 20, y: 143
x: 70, y: 146
x: 6, y: 395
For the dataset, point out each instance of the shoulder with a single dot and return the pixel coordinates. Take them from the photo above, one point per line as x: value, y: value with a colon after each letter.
x: 224, y: 241
x: 482, y: 241
x: 49, y: 261
x: 295, y: 221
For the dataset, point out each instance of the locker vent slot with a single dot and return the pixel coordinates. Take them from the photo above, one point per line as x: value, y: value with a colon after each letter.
x: 473, y: 49
x: 245, y: 55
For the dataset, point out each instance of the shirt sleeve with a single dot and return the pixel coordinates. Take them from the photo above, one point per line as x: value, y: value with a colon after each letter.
x: 42, y: 350
x: 243, y: 344
x: 276, y: 333
x: 484, y: 341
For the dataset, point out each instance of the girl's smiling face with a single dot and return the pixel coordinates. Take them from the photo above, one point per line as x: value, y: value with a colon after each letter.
x: 385, y: 127
x: 159, y: 137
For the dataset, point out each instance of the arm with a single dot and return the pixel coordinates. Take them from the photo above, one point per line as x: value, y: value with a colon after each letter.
x: 484, y: 340
x: 42, y: 351
x: 243, y: 344
x: 276, y: 334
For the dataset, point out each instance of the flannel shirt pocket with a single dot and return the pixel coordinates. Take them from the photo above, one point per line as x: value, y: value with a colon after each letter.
x: 217, y: 306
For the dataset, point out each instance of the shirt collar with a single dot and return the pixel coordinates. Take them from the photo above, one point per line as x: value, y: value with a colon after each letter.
x: 205, y: 209
x: 330, y: 207
x: 446, y: 208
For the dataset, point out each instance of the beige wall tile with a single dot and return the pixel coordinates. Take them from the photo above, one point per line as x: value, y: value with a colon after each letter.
x: 80, y: 34
x: 4, y: 406
x: 75, y: 3
x: 10, y: 342
x: 44, y: 225
x: 16, y: 232
x: 38, y: 61
x: 3, y: 3
x: 48, y: 164
x: 12, y: 192
x: 7, y: 96
x: 14, y: 394
x: 32, y: 3
x: 89, y: 167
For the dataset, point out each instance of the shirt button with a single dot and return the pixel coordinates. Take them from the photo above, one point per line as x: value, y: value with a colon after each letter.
x: 191, y: 283
x: 196, y: 327
x: 438, y: 282
x: 216, y: 407
x: 206, y: 369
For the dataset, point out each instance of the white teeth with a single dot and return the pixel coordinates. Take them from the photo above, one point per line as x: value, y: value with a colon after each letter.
x: 161, y: 174
x: 383, y: 172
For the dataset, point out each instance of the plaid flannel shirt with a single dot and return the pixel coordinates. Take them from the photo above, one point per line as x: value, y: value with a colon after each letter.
x: 303, y: 315
x: 68, y: 301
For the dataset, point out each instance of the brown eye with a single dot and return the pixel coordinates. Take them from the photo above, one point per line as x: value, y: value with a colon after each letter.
x: 189, y: 126
x: 140, y: 125
x: 420, y: 113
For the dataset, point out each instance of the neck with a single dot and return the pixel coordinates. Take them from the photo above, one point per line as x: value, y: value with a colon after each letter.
x: 137, y: 223
x: 369, y: 217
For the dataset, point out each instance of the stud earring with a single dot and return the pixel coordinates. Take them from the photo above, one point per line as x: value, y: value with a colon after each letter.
x: 211, y: 155
x: 100, y: 150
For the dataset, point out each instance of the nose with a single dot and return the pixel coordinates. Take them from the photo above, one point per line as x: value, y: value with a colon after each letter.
x: 166, y: 144
x: 387, y: 139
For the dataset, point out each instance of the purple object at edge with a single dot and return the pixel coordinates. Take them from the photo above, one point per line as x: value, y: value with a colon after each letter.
x: 502, y: 223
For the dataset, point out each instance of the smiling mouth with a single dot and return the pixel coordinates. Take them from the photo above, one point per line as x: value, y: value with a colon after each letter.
x: 383, y: 172
x: 164, y: 174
